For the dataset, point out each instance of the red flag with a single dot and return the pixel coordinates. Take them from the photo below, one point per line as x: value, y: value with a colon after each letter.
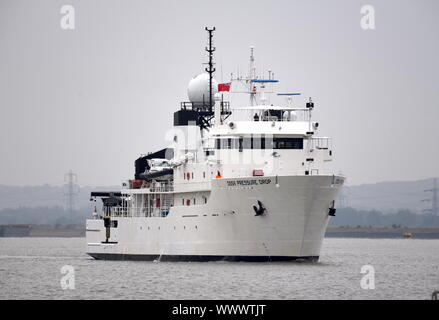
x: 224, y: 86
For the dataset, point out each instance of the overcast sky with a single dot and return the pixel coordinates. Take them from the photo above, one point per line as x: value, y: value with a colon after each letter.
x: 94, y: 98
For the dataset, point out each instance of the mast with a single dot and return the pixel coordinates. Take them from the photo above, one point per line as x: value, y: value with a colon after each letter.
x: 252, y: 76
x: 210, y: 69
x: 252, y: 80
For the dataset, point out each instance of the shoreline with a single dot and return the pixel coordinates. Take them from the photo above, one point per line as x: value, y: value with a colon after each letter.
x: 78, y: 231
x: 383, y: 232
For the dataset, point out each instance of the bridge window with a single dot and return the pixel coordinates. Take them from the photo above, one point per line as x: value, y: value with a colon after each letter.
x: 239, y: 144
x: 247, y: 143
x: 287, y: 143
x: 223, y: 143
x: 259, y: 143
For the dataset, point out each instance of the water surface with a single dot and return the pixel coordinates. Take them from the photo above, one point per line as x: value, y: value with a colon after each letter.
x: 30, y: 268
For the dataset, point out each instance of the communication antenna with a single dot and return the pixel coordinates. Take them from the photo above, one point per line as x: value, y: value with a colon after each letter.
x: 71, y: 191
x: 210, y: 69
x: 252, y: 80
x: 434, y: 198
x: 289, y: 97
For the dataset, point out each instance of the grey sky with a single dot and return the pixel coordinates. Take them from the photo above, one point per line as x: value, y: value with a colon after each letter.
x: 93, y: 99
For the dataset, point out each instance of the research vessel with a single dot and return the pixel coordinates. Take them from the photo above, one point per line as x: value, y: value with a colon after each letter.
x: 240, y: 183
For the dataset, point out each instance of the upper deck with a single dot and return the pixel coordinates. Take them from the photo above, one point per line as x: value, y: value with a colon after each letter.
x: 268, y: 120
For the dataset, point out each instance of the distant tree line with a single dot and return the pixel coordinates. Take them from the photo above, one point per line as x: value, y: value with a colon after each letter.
x: 44, y: 215
x: 344, y: 217
x: 402, y: 218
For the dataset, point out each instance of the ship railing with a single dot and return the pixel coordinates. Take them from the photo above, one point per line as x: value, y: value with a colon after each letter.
x: 320, y: 143
x: 161, y: 187
x: 117, y: 211
x: 204, y: 107
x: 278, y: 115
x: 149, y: 211
x: 133, y: 212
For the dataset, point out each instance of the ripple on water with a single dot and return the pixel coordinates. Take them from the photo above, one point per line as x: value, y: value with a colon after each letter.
x: 404, y: 269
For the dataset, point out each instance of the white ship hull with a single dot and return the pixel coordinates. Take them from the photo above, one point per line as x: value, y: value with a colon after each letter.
x: 226, y: 228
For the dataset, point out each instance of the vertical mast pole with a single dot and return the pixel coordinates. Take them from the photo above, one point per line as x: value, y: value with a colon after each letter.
x: 252, y: 76
x: 210, y: 49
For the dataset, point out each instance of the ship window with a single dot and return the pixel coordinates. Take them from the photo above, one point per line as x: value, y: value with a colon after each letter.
x: 204, y: 174
x: 239, y: 144
x: 287, y: 143
x: 192, y: 175
x: 188, y: 202
x: 247, y: 143
x: 195, y: 200
x: 182, y: 202
x: 259, y: 143
x: 229, y: 143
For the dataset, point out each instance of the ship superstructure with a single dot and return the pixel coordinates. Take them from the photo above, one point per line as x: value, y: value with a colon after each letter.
x: 244, y: 183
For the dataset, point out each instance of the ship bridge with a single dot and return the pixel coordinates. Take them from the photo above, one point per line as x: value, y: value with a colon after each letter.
x: 271, y: 120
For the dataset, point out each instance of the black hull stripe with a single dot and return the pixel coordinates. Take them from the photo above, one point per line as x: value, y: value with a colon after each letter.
x: 152, y: 257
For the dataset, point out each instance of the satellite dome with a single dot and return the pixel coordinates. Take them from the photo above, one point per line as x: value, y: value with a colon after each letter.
x: 198, y: 89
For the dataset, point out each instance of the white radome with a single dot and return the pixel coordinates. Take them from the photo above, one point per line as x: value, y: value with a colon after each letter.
x: 199, y: 87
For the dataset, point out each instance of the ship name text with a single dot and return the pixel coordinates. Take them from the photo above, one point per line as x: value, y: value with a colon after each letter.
x: 248, y: 182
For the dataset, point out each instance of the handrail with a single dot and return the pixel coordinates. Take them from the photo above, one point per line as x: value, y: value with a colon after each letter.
x: 131, y: 212
x: 320, y: 143
x: 276, y: 115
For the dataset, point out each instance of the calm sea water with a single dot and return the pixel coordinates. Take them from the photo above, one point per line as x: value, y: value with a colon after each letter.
x: 30, y: 268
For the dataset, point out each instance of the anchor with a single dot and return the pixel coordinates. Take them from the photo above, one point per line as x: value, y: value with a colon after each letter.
x: 261, y: 210
x: 332, y: 209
